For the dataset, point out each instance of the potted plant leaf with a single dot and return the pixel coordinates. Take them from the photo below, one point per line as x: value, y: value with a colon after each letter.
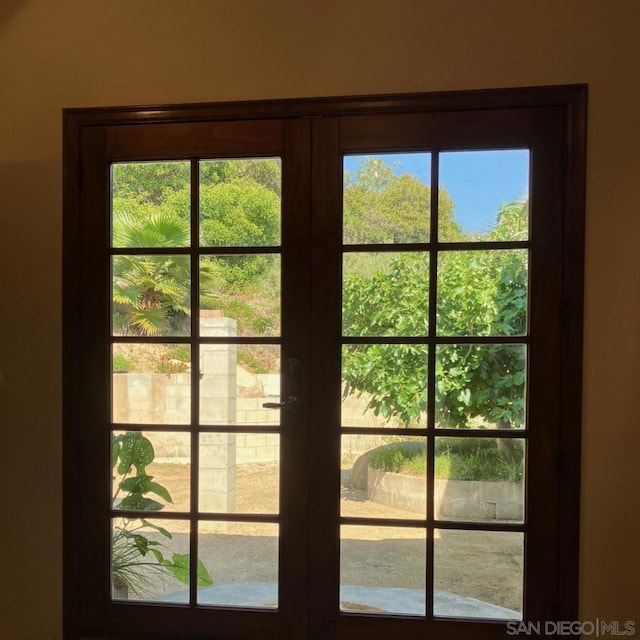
x: 139, y: 549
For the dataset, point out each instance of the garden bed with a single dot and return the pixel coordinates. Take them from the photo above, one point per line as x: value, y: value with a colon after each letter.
x: 474, y: 479
x: 455, y: 499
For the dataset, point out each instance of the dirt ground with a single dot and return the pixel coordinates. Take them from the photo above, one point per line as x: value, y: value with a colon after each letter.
x: 478, y: 564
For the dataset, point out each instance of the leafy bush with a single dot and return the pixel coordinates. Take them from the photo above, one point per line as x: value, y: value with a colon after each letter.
x: 455, y: 459
x: 480, y: 293
x: 136, y: 551
x: 250, y: 359
x: 180, y: 352
x: 251, y: 320
x: 168, y: 366
x: 121, y: 364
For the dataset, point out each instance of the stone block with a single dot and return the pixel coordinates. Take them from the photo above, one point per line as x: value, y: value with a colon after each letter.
x: 256, y: 440
x: 247, y: 455
x: 216, y: 385
x: 215, y: 411
x: 183, y: 391
x: 170, y: 391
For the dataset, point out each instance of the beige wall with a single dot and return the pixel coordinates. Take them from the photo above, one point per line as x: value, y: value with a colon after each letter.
x: 74, y: 53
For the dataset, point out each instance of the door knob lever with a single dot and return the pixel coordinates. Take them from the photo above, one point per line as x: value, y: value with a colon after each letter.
x: 291, y: 404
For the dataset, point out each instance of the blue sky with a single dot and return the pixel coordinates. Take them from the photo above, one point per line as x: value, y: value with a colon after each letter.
x: 477, y: 181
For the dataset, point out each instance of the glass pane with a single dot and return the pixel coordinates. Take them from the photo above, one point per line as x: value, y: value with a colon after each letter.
x: 384, y: 385
x: 151, y: 295
x: 151, y: 470
x: 151, y: 383
x: 478, y: 574
x: 387, y: 198
x: 244, y: 288
x: 150, y: 560
x: 239, y: 472
x: 382, y: 569
x: 481, y: 386
x: 385, y: 294
x: 150, y: 204
x: 482, y: 293
x: 383, y: 477
x: 242, y: 560
x: 479, y: 479
x: 240, y: 203
x: 236, y: 380
x: 485, y: 194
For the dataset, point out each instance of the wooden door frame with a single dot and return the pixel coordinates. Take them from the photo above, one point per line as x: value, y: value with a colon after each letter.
x: 81, y: 124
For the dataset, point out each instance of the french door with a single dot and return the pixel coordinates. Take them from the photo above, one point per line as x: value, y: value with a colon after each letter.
x: 305, y: 398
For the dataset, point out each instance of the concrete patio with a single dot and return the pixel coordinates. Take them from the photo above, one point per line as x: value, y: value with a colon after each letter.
x: 361, y: 599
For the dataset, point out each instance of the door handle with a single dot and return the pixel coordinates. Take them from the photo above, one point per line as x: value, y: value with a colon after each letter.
x: 291, y: 404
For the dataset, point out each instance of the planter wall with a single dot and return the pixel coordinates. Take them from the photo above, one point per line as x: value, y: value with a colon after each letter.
x: 455, y: 499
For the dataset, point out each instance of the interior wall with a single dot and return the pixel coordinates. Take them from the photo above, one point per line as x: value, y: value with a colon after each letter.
x: 72, y: 53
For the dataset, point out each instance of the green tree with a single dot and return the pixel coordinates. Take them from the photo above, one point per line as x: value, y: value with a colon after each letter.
x: 265, y: 172
x: 383, y: 207
x: 148, y: 182
x: 479, y: 293
x: 239, y: 199
x: 153, y: 182
x: 237, y: 213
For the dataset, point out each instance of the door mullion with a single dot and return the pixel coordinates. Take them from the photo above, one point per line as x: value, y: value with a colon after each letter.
x: 324, y: 483
x: 195, y: 382
x: 431, y: 387
x: 295, y: 367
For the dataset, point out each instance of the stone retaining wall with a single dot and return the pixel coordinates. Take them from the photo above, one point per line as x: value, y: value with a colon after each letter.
x: 158, y: 398
x: 456, y: 499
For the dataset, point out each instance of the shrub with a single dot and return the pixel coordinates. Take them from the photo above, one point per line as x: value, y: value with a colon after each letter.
x: 169, y: 366
x: 180, y: 352
x: 456, y: 459
x: 122, y: 364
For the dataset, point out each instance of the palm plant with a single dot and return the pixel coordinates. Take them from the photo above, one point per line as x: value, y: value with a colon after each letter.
x: 152, y: 293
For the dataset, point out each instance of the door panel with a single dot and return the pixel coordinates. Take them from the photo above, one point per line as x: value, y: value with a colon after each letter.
x: 436, y: 329
x: 203, y: 333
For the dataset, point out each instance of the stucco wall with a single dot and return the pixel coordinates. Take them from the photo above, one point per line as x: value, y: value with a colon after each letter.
x: 72, y: 53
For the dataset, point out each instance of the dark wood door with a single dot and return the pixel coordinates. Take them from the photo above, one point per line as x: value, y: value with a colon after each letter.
x: 283, y: 309
x: 448, y: 338
x: 195, y: 310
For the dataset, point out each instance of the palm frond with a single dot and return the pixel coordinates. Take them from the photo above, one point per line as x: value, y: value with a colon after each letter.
x: 152, y: 321
x: 150, y: 228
